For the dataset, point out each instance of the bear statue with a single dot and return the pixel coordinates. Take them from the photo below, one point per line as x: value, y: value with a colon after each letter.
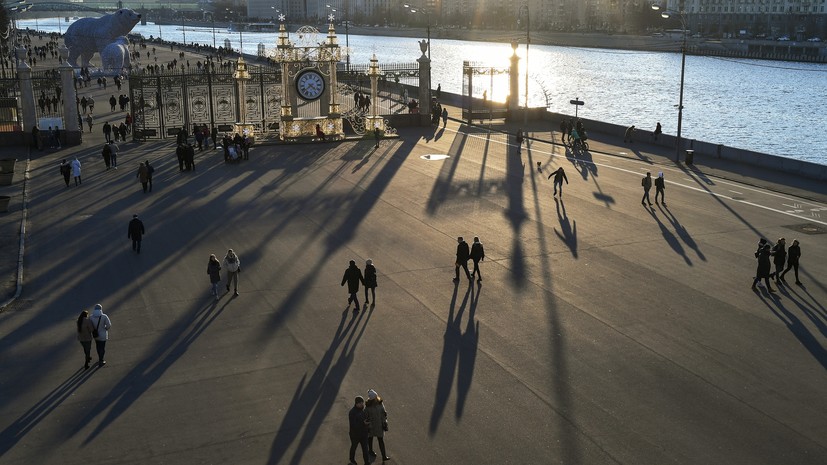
x: 88, y: 36
x: 115, y: 56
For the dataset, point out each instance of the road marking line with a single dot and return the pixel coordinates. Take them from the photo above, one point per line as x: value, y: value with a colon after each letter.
x: 736, y: 192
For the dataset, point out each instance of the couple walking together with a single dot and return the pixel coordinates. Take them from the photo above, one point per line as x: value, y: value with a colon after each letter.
x: 353, y: 276
x: 368, y: 420
x: 475, y: 253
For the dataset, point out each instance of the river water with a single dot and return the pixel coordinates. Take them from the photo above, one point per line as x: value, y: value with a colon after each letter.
x: 766, y: 106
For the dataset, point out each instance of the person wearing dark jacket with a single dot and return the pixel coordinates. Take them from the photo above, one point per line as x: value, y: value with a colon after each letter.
x: 646, y: 183
x: 353, y: 276
x: 214, y: 270
x: 793, y: 254
x: 779, y: 254
x: 370, y: 281
x: 463, y: 254
x: 559, y: 177
x: 477, y: 255
x: 136, y: 232
x: 764, y: 266
x: 660, y: 187
x: 359, y: 429
x: 179, y: 152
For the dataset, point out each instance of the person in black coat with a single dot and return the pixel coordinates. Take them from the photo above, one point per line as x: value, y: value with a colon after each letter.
x: 353, y: 276
x: 463, y: 254
x: 179, y: 152
x: 477, y: 255
x: 359, y: 429
x: 779, y: 254
x: 793, y: 254
x: 370, y: 280
x: 136, y: 232
x: 764, y: 267
x: 189, y: 157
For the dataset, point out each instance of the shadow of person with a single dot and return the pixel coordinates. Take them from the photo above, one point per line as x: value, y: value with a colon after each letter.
x: 670, y: 238
x: 569, y: 229
x: 469, y: 343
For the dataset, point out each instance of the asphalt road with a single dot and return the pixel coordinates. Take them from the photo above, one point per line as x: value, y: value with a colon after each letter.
x: 603, y: 332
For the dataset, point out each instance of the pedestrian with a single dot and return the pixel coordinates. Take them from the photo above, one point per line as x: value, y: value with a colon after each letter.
x: 370, y: 281
x: 106, y: 153
x: 353, y: 276
x: 76, y: 171
x: 112, y: 102
x: 658, y: 131
x: 563, y: 131
x: 99, y: 324
x: 83, y: 104
x: 660, y: 187
x: 359, y: 430
x: 439, y: 91
x: 233, y: 265
x: 763, y: 271
x: 793, y: 254
x: 149, y: 171
x: 377, y: 135
x: 377, y: 423
x: 444, y: 116
x: 779, y: 257
x: 142, y: 176
x: 66, y: 171
x: 189, y: 157
x: 214, y: 270
x: 89, y: 121
x: 519, y: 138
x: 136, y: 232
x: 199, y: 140
x: 123, y: 130
x: 629, y: 135
x: 463, y: 254
x: 85, y: 337
x: 180, y: 153
x: 113, y: 154
x: 477, y: 255
x: 91, y: 102
x: 107, y: 131
x: 559, y: 177
x: 646, y: 182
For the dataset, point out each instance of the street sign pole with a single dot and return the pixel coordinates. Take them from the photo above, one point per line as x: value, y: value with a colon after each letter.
x: 577, y: 104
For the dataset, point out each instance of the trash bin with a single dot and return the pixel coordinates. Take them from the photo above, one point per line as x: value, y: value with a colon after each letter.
x: 690, y: 156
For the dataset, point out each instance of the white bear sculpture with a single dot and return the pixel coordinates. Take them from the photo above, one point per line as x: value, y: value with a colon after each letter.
x: 88, y: 36
x: 115, y: 56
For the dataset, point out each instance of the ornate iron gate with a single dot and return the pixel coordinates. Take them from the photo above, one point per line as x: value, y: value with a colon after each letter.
x: 164, y: 103
x: 482, y: 91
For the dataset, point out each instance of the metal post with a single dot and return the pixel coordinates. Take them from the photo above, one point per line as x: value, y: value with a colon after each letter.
x: 527, y: 42
x: 680, y: 101
x: 213, y: 29
x: 184, y: 29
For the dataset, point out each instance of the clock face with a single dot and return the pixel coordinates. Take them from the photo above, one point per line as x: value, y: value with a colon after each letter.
x: 310, y: 84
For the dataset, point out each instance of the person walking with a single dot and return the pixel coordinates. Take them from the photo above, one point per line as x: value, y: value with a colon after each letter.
x: 377, y: 423
x: 779, y: 257
x: 76, y: 171
x: 149, y: 171
x: 66, y: 171
x: 370, y: 281
x: 91, y: 102
x: 377, y: 134
x: 793, y: 254
x: 463, y: 254
x: 113, y: 154
x: 107, y: 131
x: 99, y: 325
x: 444, y: 116
x: 660, y: 186
x: 214, y: 270
x: 112, y: 102
x: 646, y: 182
x: 764, y: 266
x: 143, y: 175
x: 233, y: 266
x: 519, y: 139
x: 359, y: 430
x: 477, y: 255
x: 89, y: 121
x: 658, y: 131
x: 85, y: 337
x: 136, y: 232
x: 559, y: 177
x: 106, y: 153
x: 629, y: 135
x: 353, y: 276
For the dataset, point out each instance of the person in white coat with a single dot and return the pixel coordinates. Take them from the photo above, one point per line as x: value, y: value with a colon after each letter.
x: 76, y: 171
x: 233, y: 266
x: 99, y: 323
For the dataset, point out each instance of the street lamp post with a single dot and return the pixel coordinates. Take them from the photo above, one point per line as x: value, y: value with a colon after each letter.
x: 666, y: 14
x: 527, y: 42
x: 184, y: 29
x: 346, y: 19
x: 428, y: 33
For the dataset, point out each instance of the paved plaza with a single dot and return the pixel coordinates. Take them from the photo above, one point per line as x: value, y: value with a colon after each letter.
x: 604, y: 331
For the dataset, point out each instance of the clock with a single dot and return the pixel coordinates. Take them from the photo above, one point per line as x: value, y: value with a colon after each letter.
x: 310, y: 84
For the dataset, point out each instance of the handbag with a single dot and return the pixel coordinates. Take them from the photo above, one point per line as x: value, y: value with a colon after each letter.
x: 95, y: 331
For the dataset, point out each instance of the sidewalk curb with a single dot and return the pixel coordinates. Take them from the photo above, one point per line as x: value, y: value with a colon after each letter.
x: 22, y: 240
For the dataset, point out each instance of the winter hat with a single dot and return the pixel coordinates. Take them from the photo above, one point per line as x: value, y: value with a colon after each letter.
x: 359, y: 399
x: 372, y: 394
x: 369, y: 262
x: 98, y: 307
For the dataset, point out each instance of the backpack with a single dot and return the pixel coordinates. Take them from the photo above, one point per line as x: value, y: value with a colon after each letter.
x: 643, y: 182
